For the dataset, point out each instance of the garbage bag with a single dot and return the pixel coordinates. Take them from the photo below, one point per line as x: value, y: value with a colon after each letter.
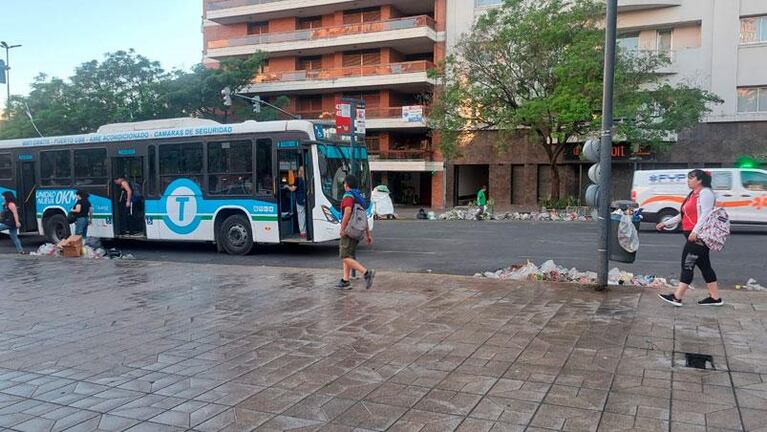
x: 628, y: 237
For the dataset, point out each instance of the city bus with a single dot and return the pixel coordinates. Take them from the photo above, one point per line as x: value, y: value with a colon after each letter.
x: 199, y: 180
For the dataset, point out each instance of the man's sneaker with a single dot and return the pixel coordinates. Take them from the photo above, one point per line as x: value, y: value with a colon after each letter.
x: 708, y: 301
x: 671, y: 298
x: 369, y: 275
x: 344, y: 285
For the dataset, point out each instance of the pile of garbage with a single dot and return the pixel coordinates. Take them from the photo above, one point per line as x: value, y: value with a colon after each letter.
x: 551, y: 272
x: 751, y: 285
x: 473, y: 213
x: 92, y: 249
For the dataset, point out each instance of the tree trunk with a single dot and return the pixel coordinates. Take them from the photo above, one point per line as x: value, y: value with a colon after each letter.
x: 555, y: 181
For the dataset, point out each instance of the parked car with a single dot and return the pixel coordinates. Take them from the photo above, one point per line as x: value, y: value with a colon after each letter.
x: 740, y: 191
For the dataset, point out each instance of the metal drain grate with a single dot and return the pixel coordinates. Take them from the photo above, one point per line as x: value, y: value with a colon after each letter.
x: 699, y: 361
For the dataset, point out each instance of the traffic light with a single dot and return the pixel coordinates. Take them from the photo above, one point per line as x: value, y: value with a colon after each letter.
x: 226, y: 95
x: 591, y: 150
x: 256, y: 104
x: 2, y: 72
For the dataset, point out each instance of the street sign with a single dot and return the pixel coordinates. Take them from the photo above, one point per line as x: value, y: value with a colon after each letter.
x: 343, y: 118
x: 359, y: 122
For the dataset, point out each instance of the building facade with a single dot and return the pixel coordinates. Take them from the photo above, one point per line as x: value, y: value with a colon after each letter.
x: 380, y: 51
x: 322, y: 50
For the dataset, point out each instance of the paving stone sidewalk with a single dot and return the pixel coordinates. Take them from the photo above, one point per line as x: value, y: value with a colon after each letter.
x: 147, y: 346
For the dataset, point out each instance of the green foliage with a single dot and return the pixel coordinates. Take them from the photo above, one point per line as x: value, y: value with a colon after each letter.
x: 537, y: 65
x: 558, y: 203
x: 128, y: 87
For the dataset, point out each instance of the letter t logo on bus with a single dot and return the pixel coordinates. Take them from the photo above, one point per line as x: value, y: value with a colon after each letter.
x: 181, y: 206
x: 181, y: 202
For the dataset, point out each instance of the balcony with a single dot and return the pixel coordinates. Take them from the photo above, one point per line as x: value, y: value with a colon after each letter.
x: 234, y: 11
x: 635, y: 5
x: 408, y: 75
x: 377, y: 118
x: 412, y: 34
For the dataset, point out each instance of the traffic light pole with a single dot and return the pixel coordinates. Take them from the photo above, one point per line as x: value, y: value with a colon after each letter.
x: 606, y: 146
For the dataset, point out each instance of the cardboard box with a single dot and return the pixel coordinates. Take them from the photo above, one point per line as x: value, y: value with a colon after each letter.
x: 71, y: 246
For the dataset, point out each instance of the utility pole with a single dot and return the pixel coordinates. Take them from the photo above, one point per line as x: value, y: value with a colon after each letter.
x: 605, y: 154
x: 8, y: 48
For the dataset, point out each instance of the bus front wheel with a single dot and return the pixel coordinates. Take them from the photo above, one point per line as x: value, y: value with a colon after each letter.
x: 235, y: 236
x: 56, y: 228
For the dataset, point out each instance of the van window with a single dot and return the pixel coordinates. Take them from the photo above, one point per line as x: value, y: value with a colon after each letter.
x: 754, y: 181
x: 721, y: 181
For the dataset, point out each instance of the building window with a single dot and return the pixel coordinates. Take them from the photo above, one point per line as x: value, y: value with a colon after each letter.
x: 91, y: 167
x: 628, y: 41
x: 309, y: 63
x: 309, y: 23
x: 752, y: 99
x: 55, y: 168
x: 257, y: 28
x: 663, y: 41
x: 362, y: 58
x: 487, y: 3
x: 5, y: 166
x: 753, y: 29
x: 309, y: 103
x: 358, y: 16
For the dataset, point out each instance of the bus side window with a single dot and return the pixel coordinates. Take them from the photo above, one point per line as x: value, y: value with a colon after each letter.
x: 5, y: 166
x: 264, y: 179
x: 55, y: 168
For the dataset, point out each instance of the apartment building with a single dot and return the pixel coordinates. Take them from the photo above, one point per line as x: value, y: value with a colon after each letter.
x: 717, y: 45
x: 321, y: 50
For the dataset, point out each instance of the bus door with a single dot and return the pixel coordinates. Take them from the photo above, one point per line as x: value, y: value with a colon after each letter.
x: 27, y: 179
x: 290, y: 159
x: 128, y: 217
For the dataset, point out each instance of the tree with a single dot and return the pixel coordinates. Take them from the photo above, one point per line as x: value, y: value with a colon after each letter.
x: 537, y: 65
x: 127, y: 87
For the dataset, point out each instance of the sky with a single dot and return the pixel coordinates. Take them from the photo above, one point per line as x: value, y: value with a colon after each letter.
x: 59, y: 35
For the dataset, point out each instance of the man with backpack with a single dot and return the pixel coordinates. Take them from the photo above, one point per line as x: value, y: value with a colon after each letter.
x: 354, y: 227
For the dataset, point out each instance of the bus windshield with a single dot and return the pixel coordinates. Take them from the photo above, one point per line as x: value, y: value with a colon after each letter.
x: 334, y: 165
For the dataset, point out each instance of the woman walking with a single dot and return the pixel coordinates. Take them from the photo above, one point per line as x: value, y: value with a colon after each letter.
x: 9, y: 220
x: 82, y: 213
x: 694, y: 211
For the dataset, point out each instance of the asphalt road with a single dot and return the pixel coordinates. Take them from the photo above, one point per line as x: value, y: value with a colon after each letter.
x: 468, y: 247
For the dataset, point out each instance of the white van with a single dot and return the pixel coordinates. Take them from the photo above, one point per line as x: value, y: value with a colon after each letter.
x: 740, y: 191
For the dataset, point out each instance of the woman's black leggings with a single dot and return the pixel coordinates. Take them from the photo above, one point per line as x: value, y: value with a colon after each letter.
x: 696, y: 254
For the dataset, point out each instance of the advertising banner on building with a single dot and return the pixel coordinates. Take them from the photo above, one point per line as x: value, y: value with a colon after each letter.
x: 412, y: 114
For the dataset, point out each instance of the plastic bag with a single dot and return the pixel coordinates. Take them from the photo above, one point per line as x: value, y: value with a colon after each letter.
x: 628, y: 237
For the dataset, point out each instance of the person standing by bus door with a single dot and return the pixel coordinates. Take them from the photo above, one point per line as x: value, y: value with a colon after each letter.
x: 124, y: 204
x: 9, y: 220
x: 299, y: 189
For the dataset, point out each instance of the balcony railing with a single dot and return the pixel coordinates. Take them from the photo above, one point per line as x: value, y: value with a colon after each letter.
x: 347, y: 72
x: 227, y: 4
x: 327, y: 32
x: 401, y: 154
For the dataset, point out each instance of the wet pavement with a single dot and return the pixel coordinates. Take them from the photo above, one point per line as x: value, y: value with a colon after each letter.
x: 148, y: 346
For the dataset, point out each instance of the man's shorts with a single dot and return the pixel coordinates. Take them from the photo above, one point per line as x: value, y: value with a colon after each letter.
x: 348, y: 247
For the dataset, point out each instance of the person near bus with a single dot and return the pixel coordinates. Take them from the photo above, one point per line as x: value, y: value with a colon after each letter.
x: 348, y: 245
x: 124, y: 203
x: 82, y: 213
x: 694, y: 211
x: 9, y: 220
x: 299, y: 189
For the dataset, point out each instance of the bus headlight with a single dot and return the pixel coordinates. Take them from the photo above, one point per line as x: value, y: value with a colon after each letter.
x: 328, y: 214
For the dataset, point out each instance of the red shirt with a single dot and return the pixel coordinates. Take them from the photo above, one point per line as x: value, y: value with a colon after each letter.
x: 347, y: 201
x: 690, y: 213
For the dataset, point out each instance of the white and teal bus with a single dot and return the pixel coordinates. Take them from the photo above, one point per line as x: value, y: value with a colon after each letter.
x: 199, y: 181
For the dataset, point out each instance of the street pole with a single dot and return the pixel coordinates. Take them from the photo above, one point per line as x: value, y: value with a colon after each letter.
x: 8, y: 48
x: 606, y: 145
x: 354, y: 135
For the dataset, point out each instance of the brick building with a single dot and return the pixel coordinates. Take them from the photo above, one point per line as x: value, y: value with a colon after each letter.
x: 321, y: 50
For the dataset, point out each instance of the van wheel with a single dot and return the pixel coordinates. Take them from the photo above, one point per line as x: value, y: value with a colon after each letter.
x: 56, y: 228
x: 664, y: 216
x: 235, y: 236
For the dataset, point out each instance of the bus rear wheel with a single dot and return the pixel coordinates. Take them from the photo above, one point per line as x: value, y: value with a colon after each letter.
x: 56, y: 228
x: 235, y: 236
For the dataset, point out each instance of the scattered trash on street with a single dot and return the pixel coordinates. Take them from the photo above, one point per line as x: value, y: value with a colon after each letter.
x: 472, y: 213
x: 751, y: 285
x: 551, y: 272
x: 87, y: 251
